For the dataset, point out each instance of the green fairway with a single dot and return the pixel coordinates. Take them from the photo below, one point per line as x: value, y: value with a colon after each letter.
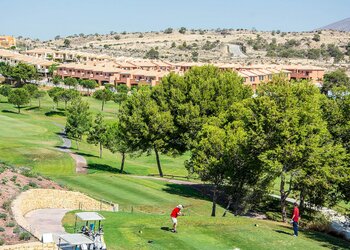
x: 30, y: 139
x: 136, y: 230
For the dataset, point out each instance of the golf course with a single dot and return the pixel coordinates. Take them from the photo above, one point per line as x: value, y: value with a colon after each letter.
x: 32, y: 139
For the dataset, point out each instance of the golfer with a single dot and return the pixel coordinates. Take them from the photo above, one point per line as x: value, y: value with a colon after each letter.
x: 176, y: 212
x: 295, y: 219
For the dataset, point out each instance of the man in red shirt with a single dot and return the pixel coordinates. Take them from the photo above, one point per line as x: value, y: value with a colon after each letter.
x: 295, y: 219
x: 176, y: 212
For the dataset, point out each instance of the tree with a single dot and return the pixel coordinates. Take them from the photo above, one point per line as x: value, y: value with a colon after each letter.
x: 103, y: 95
x: 89, y: 85
x: 168, y: 31
x: 121, y: 95
x: 71, y: 82
x: 182, y: 30
x: 203, y: 92
x: 335, y: 52
x: 19, y: 97
x: 23, y: 73
x: 68, y: 95
x: 78, y: 120
x: 316, y: 38
x: 39, y: 94
x: 290, y: 133
x: 5, y: 90
x: 152, y: 54
x: 173, y: 45
x: 56, y: 80
x: 56, y: 94
x: 66, y: 42
x: 337, y: 78
x: 52, y: 69
x: 31, y: 88
x: 98, y: 133
x: 145, y: 125
x: 116, y: 142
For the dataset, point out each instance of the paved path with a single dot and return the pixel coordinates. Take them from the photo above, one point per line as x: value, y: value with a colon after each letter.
x: 47, y: 221
x: 80, y: 161
x: 236, y: 51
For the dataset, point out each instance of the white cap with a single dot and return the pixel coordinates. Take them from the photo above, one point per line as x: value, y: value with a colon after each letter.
x: 180, y: 206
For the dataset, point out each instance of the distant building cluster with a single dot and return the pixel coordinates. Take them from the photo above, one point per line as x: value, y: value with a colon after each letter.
x: 7, y: 42
x: 105, y: 69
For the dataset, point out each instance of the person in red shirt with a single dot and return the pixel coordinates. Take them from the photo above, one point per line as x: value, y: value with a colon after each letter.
x: 295, y: 219
x: 176, y: 212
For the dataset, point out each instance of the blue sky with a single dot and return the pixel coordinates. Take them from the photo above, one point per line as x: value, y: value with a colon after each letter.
x: 45, y: 19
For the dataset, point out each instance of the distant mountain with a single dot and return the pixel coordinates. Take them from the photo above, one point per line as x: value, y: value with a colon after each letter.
x: 343, y: 25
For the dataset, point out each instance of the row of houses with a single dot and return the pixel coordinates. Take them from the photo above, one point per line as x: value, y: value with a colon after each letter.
x: 106, y: 69
x: 14, y: 58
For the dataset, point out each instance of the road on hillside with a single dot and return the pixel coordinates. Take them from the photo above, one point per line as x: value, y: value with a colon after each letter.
x: 236, y: 51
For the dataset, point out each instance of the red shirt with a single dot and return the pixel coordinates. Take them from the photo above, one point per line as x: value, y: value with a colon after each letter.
x: 296, y: 214
x: 175, y: 212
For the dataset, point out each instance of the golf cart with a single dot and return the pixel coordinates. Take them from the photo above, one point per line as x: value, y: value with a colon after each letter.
x: 74, y: 242
x: 88, y: 228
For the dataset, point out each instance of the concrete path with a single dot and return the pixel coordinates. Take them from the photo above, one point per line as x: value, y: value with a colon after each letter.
x: 236, y: 51
x: 47, y: 221
x: 80, y: 161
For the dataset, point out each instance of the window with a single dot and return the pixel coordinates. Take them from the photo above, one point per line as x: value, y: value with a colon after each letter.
x: 252, y: 78
x: 261, y: 78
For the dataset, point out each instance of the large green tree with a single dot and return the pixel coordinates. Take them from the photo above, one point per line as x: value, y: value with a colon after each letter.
x: 5, y: 90
x: 56, y: 94
x: 68, y: 95
x: 71, y: 82
x: 23, y: 73
x: 291, y: 134
x: 98, y: 133
x: 39, y: 94
x: 89, y: 85
x: 116, y: 142
x: 146, y: 125
x: 78, y: 120
x: 19, y: 97
x: 337, y: 78
x: 104, y: 95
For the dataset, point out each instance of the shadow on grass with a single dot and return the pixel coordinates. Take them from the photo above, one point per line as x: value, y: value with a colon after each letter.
x: 282, y: 232
x: 105, y: 168
x: 328, y: 241
x: 85, y: 154
x: 10, y: 111
x: 165, y: 228
x: 32, y: 108
x: 191, y: 191
x: 55, y: 112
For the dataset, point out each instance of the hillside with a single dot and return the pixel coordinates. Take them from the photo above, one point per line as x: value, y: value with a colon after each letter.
x: 254, y: 47
x: 342, y: 25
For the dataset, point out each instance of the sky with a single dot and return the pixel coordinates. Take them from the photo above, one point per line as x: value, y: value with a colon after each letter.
x: 44, y: 19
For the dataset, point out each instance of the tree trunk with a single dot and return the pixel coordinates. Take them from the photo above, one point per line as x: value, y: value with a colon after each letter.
x: 302, y: 201
x: 19, y: 109
x: 213, y: 210
x: 103, y: 104
x: 76, y: 141
x: 228, y: 205
x: 100, y: 150
x: 158, y: 162
x: 122, y: 164
x: 39, y: 103
x: 283, y: 198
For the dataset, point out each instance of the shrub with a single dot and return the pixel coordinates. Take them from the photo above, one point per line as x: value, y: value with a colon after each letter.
x: 24, y: 236
x: 32, y: 184
x: 25, y: 188
x: 3, y: 216
x: 2, y: 241
x: 2, y: 229
x: 16, y: 230
x: 168, y: 31
x: 11, y: 224
x: 4, y: 180
x: 14, y: 178
x: 6, y: 205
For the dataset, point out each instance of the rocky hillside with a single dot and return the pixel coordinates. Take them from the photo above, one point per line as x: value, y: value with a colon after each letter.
x: 342, y: 25
x: 12, y: 182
